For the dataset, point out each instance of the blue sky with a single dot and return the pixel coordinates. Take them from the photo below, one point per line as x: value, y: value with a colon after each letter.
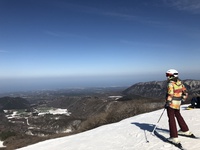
x: 74, y: 43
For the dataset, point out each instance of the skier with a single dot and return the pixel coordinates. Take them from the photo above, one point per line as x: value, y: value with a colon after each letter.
x: 176, y: 93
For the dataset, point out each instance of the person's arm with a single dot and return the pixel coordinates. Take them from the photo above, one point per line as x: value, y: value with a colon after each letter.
x: 184, y: 93
x: 170, y: 91
x: 170, y: 94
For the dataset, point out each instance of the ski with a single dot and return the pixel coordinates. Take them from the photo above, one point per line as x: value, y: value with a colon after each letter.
x: 190, y: 136
x: 178, y: 145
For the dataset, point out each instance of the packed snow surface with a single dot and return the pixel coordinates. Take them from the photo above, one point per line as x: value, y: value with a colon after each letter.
x: 129, y: 134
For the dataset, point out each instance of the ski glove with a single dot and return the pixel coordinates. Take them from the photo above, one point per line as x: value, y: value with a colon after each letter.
x: 167, y: 104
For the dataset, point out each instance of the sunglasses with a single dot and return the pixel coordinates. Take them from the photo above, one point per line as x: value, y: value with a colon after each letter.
x: 169, y: 74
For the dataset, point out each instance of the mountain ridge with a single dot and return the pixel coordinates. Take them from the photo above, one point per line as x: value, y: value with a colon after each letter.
x: 157, y: 89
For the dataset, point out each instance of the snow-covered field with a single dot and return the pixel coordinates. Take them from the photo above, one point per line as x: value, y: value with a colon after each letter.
x: 55, y: 111
x: 129, y: 134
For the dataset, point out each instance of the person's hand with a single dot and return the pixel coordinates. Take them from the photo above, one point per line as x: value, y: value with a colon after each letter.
x: 182, y: 101
x: 184, y: 95
x: 167, y: 104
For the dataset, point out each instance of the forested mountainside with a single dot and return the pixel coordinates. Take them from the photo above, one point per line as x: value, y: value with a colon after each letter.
x: 157, y: 89
x: 13, y: 103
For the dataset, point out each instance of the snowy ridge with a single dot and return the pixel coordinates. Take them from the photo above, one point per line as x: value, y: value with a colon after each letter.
x: 129, y: 134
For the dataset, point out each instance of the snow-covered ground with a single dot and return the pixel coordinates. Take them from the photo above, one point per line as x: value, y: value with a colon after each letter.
x: 55, y: 111
x: 1, y: 144
x: 128, y: 134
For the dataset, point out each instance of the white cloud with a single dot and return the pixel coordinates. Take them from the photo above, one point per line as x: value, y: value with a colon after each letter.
x: 120, y: 15
x: 63, y: 35
x: 185, y: 5
x: 52, y: 33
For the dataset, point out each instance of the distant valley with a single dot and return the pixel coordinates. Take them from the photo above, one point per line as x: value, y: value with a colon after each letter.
x: 30, y: 117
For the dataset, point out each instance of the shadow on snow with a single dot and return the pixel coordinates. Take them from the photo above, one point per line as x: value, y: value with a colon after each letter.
x: 149, y: 128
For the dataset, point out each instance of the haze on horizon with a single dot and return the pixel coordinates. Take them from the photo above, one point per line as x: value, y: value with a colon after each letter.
x: 47, y: 44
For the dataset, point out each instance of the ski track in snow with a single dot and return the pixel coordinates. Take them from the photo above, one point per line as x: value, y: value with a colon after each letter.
x: 128, y: 134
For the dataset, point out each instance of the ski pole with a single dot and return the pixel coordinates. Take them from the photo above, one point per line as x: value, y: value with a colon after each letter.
x: 158, y: 121
x: 147, y: 141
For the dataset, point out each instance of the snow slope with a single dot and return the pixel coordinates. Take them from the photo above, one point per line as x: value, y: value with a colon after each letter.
x: 129, y: 134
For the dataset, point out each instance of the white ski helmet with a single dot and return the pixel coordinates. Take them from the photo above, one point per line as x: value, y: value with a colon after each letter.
x: 172, y: 72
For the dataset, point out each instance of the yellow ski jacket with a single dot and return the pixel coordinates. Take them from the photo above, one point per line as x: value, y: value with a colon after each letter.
x: 175, y: 92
